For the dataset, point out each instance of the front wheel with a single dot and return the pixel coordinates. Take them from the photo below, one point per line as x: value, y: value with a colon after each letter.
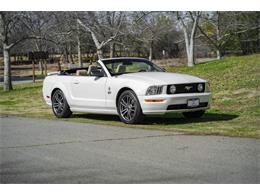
x: 60, y: 105
x: 128, y: 108
x: 196, y: 114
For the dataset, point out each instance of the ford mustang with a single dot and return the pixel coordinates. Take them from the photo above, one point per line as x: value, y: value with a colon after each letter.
x: 128, y: 87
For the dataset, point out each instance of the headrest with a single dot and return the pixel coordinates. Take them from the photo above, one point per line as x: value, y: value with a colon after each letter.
x: 81, y: 73
x: 92, y: 68
x: 120, y: 69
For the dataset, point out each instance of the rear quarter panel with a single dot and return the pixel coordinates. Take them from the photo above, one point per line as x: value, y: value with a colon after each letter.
x: 56, y: 82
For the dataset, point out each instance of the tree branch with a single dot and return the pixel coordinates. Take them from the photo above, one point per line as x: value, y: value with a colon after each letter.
x: 26, y: 38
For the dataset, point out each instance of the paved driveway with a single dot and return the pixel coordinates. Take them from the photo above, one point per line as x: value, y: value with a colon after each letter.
x: 46, y: 151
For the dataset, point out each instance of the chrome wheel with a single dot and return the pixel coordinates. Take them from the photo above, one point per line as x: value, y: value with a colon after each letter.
x: 58, y: 102
x: 128, y: 107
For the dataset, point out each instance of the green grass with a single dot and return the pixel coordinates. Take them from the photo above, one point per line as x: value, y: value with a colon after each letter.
x: 235, y: 111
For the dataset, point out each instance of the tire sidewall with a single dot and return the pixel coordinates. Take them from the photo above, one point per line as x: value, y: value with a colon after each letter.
x: 66, y: 111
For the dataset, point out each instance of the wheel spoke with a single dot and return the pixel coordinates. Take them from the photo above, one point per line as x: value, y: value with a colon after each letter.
x: 128, y: 99
x: 61, y: 108
x: 61, y: 98
x: 129, y: 115
x: 132, y: 109
x: 123, y: 103
x: 56, y: 98
x: 123, y: 112
x: 55, y: 104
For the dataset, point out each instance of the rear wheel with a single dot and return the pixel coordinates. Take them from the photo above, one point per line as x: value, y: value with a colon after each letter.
x: 128, y: 108
x: 196, y: 114
x: 60, y: 105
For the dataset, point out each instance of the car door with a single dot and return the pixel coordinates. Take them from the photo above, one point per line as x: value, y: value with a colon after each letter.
x: 88, y: 92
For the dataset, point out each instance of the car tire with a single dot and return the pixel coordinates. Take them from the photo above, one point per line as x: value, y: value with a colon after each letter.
x: 195, y: 114
x: 129, y: 108
x: 60, y: 106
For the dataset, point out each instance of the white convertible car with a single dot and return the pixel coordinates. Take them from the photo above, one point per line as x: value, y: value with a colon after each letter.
x: 128, y: 87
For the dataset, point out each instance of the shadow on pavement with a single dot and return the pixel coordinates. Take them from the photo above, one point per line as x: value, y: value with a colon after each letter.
x: 173, y: 118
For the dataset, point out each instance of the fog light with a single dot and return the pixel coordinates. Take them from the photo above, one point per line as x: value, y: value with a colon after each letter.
x: 172, y: 89
x: 200, y: 87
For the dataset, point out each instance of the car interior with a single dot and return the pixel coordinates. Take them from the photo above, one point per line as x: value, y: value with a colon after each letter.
x: 88, y: 71
x: 114, y: 69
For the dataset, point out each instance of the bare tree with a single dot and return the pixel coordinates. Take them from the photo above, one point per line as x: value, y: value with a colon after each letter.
x: 14, y: 29
x: 214, y: 38
x: 148, y: 28
x: 39, y: 25
x: 10, y: 25
x: 225, y: 25
x: 189, y: 23
x: 104, y: 27
x: 66, y: 34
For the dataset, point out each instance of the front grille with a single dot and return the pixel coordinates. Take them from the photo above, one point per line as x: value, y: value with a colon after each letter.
x: 184, y: 106
x: 186, y: 88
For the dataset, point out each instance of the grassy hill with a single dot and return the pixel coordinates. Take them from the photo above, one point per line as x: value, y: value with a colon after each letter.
x: 235, y: 111
x: 235, y: 84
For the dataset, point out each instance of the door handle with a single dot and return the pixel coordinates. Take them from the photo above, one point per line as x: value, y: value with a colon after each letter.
x: 75, y: 82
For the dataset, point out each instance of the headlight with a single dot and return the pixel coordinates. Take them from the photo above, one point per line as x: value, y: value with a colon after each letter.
x: 172, y: 89
x: 200, y: 87
x: 154, y: 90
x: 207, y: 87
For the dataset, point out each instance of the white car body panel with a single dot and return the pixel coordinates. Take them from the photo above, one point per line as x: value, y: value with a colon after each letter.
x: 99, y: 94
x: 88, y: 91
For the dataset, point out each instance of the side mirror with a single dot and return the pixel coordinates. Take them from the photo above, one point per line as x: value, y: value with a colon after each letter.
x: 97, y: 73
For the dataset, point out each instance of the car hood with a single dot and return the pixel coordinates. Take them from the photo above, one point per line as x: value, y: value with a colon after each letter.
x: 162, y: 78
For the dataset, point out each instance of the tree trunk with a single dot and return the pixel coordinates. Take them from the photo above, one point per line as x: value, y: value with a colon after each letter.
x: 71, y: 60
x: 41, y: 66
x: 190, y: 60
x: 189, y: 38
x: 219, y: 54
x: 7, y: 69
x: 79, y: 51
x: 189, y: 48
x: 112, y: 49
x: 79, y: 45
x: 151, y: 51
x: 100, y: 54
x: 66, y: 55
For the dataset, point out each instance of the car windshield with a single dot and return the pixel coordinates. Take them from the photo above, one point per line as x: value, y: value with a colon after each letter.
x: 124, y: 66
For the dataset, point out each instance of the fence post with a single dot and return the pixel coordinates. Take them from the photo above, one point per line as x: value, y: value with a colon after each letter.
x: 45, y: 67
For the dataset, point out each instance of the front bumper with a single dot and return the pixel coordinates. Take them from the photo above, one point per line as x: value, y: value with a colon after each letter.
x: 173, y: 103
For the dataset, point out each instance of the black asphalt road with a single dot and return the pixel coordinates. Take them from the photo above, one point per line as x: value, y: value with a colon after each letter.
x: 16, y: 80
x: 46, y: 151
